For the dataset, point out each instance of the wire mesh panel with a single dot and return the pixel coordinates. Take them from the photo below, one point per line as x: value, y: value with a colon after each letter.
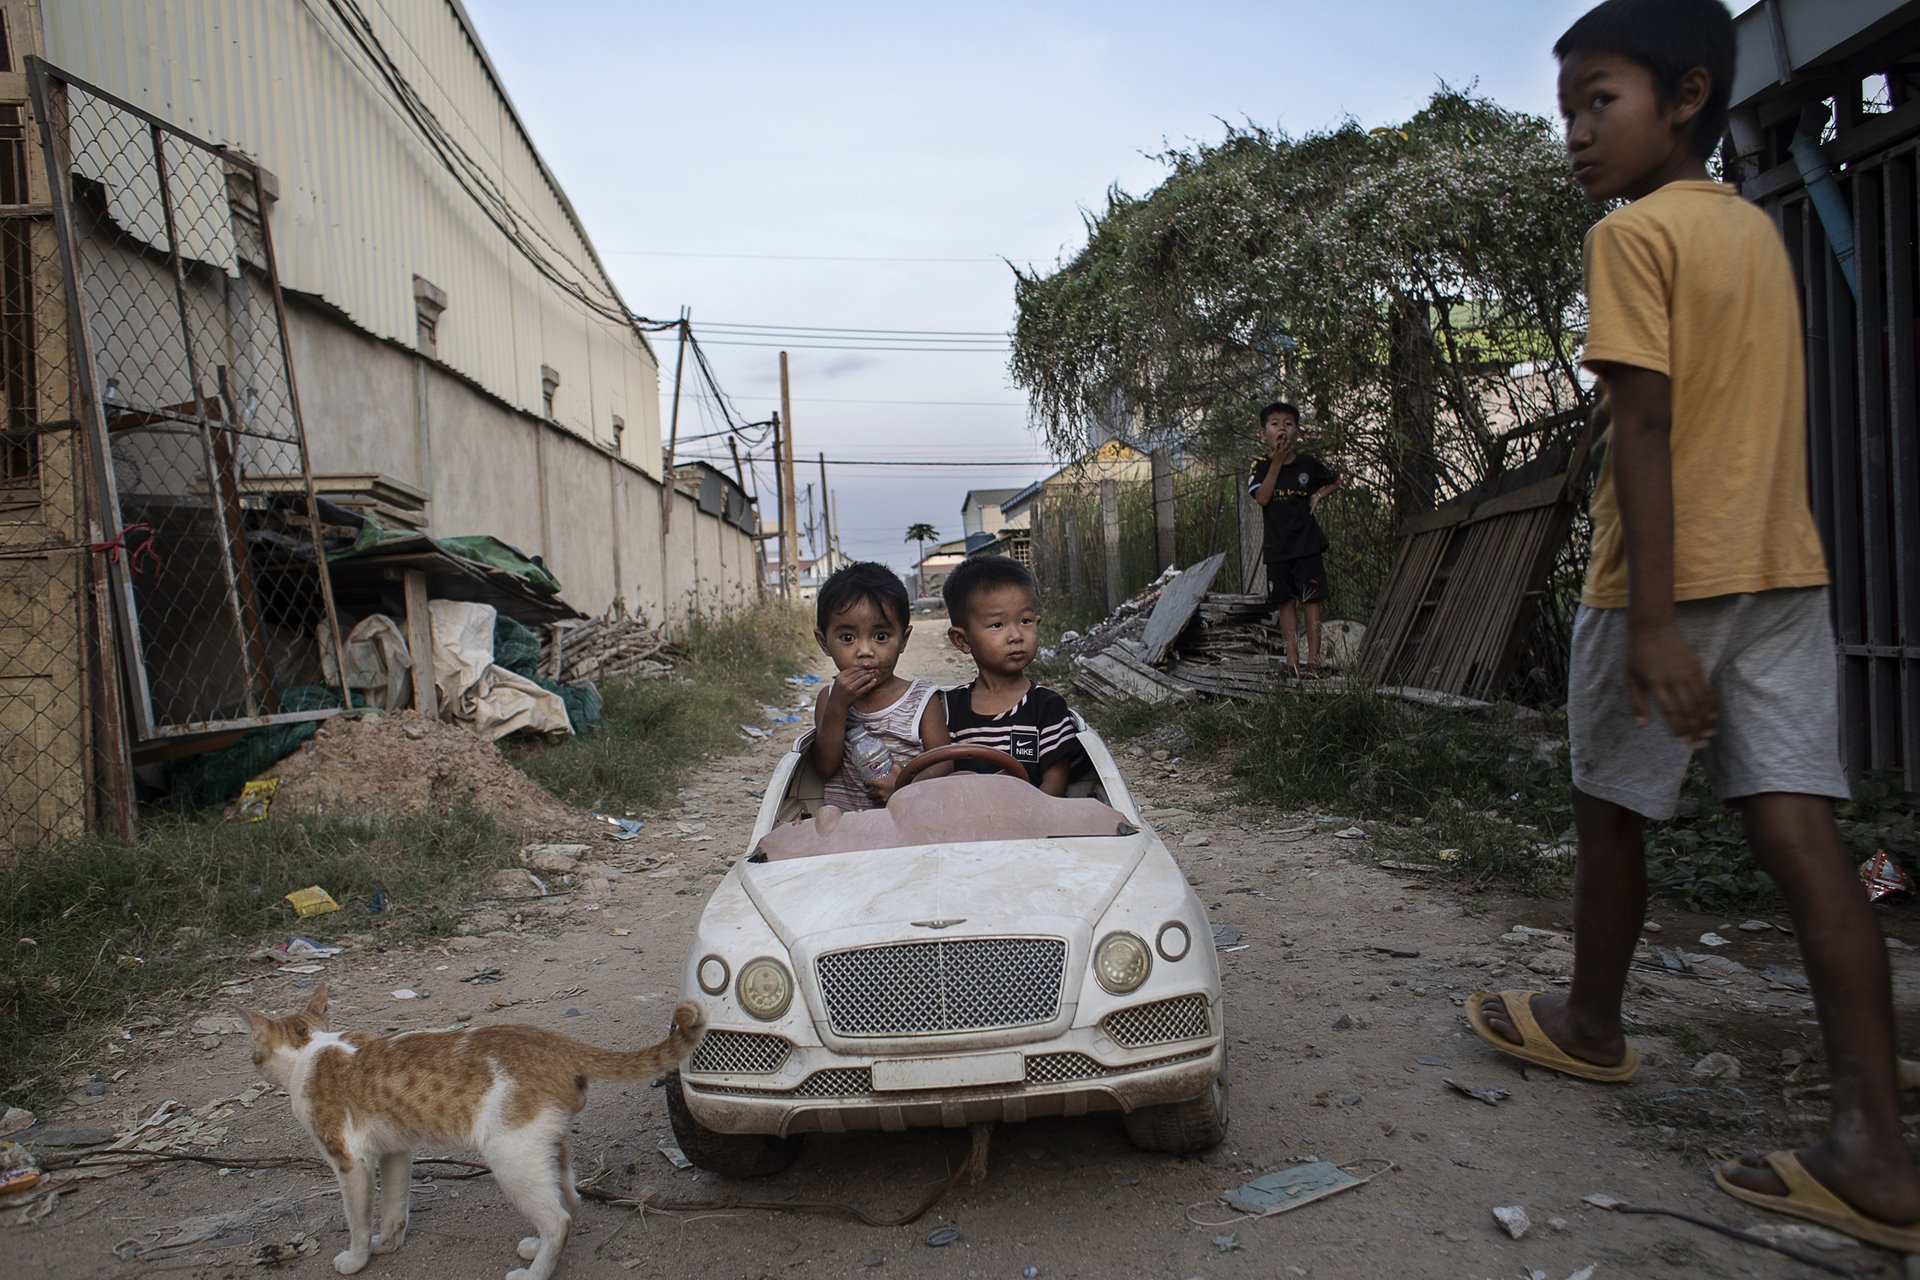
x: 194, y: 422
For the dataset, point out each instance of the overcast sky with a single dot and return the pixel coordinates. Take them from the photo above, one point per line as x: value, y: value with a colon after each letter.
x: 867, y: 167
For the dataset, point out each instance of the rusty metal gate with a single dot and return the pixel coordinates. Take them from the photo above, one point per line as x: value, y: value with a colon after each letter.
x: 192, y: 418
x: 1865, y: 458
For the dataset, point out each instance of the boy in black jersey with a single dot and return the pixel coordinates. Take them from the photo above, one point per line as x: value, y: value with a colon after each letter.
x: 1290, y: 485
x: 991, y: 603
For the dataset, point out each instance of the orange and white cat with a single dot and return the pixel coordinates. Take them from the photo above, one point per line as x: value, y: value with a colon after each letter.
x: 506, y: 1092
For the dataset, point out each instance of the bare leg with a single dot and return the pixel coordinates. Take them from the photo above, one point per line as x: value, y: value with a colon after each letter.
x: 1313, y: 634
x: 356, y: 1191
x: 1609, y: 907
x: 396, y: 1179
x: 1289, y: 626
x: 1862, y: 1159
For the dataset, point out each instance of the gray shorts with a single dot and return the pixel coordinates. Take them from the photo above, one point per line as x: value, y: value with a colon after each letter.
x: 1772, y: 661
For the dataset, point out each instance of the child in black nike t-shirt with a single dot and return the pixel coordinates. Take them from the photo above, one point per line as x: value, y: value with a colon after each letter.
x: 991, y: 603
x: 1290, y: 486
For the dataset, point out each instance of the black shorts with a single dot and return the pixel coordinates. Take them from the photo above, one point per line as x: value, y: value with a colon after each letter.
x: 1303, y: 579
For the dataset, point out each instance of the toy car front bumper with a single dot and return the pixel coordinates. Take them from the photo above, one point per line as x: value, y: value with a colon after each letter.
x: 835, y: 1093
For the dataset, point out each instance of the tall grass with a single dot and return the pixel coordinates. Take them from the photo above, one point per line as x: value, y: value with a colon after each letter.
x: 657, y: 731
x: 1492, y: 795
x: 96, y: 928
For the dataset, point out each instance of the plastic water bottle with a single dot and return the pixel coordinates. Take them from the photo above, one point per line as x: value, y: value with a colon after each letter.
x: 869, y: 755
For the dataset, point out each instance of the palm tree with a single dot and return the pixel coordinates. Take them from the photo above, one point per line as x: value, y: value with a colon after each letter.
x: 921, y: 534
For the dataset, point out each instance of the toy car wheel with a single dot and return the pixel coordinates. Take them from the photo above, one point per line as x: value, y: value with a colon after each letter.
x: 731, y: 1155
x: 1182, y: 1128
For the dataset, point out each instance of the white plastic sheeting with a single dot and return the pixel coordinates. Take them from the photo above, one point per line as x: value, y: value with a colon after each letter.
x: 474, y: 691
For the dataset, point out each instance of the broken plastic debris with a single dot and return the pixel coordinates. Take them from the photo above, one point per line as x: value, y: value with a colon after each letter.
x: 1492, y: 1095
x: 1884, y: 877
x: 1226, y: 1244
x: 1712, y: 940
x: 623, y: 828
x: 1351, y: 833
x: 255, y: 799
x: 941, y: 1237
x: 1601, y: 1200
x: 404, y: 993
x: 675, y: 1156
x: 1224, y: 936
x: 301, y: 968
x: 312, y: 901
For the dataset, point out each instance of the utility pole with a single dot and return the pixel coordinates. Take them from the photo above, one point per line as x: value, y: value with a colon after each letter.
x: 813, y: 541
x: 673, y: 431
x: 826, y: 513
x: 780, y: 501
x: 789, y: 548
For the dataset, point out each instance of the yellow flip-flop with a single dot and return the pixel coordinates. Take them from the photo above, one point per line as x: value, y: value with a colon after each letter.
x: 1807, y: 1197
x: 1534, y: 1045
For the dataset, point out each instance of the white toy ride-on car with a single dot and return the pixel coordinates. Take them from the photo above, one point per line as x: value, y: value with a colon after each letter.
x: 977, y: 951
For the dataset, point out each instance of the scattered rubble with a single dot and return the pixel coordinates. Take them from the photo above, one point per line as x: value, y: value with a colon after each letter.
x: 1513, y: 1220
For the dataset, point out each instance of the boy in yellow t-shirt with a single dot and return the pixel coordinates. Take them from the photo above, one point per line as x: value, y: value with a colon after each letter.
x: 1706, y: 602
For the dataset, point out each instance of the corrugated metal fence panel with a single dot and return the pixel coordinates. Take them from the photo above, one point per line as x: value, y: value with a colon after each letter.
x: 364, y: 203
x: 1864, y: 440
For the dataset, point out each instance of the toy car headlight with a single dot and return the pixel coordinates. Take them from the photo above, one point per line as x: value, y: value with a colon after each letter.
x: 1121, y: 962
x: 765, y: 989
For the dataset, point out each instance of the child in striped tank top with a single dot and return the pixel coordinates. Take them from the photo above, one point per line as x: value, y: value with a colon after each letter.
x: 860, y: 622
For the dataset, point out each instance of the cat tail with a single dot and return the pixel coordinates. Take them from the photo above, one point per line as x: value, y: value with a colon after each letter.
x: 689, y: 1025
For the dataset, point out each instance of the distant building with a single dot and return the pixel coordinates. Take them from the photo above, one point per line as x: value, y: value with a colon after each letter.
x: 1111, y: 461
x: 980, y: 511
x: 938, y: 563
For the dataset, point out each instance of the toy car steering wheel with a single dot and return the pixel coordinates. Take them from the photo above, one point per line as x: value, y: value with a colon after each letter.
x: 960, y: 751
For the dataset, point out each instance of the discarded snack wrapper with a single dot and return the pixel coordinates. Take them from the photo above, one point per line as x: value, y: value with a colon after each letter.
x: 312, y: 901
x: 255, y: 799
x: 1883, y: 877
x: 18, y: 1172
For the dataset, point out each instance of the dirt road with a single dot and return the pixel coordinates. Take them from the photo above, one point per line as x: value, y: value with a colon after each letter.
x: 1343, y: 998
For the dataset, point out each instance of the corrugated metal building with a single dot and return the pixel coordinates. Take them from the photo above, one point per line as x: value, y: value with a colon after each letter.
x: 451, y: 325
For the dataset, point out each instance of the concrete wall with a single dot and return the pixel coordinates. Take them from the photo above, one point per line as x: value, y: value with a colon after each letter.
x: 592, y: 517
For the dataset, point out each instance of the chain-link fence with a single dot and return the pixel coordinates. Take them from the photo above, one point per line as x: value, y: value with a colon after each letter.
x: 219, y: 588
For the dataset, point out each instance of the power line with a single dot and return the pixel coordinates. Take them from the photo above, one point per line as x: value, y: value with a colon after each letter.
x: 1003, y: 464
x: 817, y: 328
x: 800, y: 257
x: 820, y: 346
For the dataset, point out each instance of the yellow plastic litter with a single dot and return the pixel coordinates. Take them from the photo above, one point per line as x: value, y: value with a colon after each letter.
x: 312, y: 901
x: 255, y: 799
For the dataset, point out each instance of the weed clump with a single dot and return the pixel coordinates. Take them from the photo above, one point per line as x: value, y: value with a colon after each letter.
x: 97, y: 927
x: 655, y: 730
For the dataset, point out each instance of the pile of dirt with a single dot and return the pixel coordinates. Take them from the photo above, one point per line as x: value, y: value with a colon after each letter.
x: 400, y: 762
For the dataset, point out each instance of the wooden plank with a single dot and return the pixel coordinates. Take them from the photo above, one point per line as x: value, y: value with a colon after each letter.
x: 1178, y: 602
x: 1176, y: 687
x: 1109, y: 670
x: 426, y: 696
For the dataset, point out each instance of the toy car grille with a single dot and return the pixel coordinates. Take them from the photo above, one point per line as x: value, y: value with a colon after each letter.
x: 1051, y: 1068
x: 836, y: 1082
x: 926, y: 988
x: 739, y: 1053
x: 1162, y: 1022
